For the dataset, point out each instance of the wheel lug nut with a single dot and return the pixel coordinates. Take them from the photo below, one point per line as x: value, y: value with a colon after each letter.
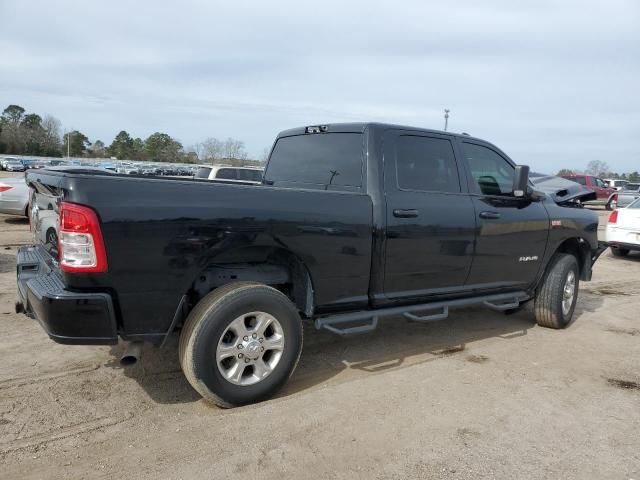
x: 262, y: 349
x: 246, y: 360
x: 240, y: 355
x: 246, y: 338
x: 261, y: 340
x: 240, y: 347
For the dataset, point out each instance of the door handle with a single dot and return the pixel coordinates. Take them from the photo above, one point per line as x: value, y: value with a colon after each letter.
x: 490, y: 215
x: 405, y: 213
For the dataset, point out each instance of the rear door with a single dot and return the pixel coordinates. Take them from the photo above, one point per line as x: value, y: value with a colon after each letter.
x: 430, y: 216
x: 511, y: 232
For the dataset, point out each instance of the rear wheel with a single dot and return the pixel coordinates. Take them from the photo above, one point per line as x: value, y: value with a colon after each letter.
x: 555, y: 299
x: 612, y: 205
x: 240, y: 344
x: 619, y: 252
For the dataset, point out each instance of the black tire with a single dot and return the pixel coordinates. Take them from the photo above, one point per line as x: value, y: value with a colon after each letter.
x: 205, y: 327
x: 548, y: 303
x: 619, y: 252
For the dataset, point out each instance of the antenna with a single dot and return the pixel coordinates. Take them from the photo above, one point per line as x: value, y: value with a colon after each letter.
x: 446, y: 118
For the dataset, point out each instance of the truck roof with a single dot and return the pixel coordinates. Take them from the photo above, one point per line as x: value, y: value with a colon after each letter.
x: 358, y: 127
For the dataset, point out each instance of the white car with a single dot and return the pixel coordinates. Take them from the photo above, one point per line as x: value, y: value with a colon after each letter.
x: 230, y: 173
x: 623, y: 229
x: 613, y: 183
x: 14, y: 196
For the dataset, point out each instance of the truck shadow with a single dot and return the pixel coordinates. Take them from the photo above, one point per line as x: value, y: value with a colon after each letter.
x: 396, y: 344
x: 16, y: 220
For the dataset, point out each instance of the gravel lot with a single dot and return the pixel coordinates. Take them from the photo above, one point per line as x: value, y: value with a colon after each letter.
x: 482, y: 395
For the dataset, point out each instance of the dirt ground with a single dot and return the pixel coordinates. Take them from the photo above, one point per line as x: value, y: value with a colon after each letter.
x: 481, y: 395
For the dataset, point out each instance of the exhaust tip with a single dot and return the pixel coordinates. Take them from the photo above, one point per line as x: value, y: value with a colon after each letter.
x: 131, y: 354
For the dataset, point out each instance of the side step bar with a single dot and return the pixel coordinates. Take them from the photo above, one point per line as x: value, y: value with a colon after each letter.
x: 431, y: 312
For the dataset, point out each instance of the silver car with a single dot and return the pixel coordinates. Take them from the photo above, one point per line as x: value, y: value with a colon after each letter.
x: 14, y: 196
x: 628, y: 194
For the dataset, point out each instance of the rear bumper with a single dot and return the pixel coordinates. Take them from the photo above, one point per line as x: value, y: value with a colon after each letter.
x: 71, y: 318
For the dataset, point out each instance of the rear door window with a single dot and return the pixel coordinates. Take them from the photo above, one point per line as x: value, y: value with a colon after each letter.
x: 324, y: 160
x: 426, y: 164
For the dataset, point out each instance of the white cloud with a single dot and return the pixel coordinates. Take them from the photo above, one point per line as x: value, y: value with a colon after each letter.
x: 551, y: 83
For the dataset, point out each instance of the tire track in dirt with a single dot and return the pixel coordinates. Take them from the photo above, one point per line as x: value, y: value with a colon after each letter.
x: 22, y: 381
x: 64, y: 432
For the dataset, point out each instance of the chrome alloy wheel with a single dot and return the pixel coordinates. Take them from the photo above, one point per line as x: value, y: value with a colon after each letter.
x: 568, y: 292
x: 250, y: 348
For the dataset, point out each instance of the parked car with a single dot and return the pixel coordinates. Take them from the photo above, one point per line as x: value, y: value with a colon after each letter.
x: 14, y: 196
x: 14, y: 166
x: 333, y: 235
x: 229, y: 173
x: 5, y: 160
x: 628, y: 194
x: 604, y: 194
x: 623, y: 229
x: 615, y: 183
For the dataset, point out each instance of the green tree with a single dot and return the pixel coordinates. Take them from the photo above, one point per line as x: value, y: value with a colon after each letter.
x: 13, y: 114
x: 76, y: 143
x: 565, y: 171
x: 634, y: 177
x: 161, y: 147
x: 122, y: 146
x: 139, y: 152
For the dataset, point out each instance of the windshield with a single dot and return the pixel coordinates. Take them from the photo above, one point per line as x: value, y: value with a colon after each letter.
x: 634, y: 204
x: 631, y: 186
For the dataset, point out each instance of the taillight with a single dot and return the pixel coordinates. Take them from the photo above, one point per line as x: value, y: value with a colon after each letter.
x: 613, y: 218
x: 4, y: 188
x: 80, y: 244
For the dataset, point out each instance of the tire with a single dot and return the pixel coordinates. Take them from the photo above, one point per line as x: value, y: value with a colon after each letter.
x: 555, y: 292
x: 619, y: 252
x: 214, y: 329
x: 612, y: 205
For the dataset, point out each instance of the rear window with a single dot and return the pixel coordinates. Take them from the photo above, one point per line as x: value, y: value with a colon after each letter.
x: 323, y: 160
x: 203, y: 172
x: 631, y: 187
x: 227, y: 174
x: 250, y: 175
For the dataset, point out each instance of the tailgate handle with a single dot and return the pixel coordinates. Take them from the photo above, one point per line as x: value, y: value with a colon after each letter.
x: 490, y: 215
x: 405, y: 213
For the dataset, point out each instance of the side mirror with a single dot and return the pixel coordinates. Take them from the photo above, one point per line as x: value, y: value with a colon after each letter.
x: 521, y: 181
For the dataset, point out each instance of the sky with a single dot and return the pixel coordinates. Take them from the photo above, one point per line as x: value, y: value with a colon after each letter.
x: 553, y: 83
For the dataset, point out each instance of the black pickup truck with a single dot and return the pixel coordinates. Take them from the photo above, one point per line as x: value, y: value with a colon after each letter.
x: 351, y: 222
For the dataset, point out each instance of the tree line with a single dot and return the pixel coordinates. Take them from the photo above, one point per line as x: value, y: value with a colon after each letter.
x: 23, y: 133
x: 601, y: 169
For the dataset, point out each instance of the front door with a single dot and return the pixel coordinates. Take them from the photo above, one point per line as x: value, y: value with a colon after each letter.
x: 430, y: 217
x: 511, y: 232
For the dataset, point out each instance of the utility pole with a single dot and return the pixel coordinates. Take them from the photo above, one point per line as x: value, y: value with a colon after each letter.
x: 446, y: 119
x: 68, y: 144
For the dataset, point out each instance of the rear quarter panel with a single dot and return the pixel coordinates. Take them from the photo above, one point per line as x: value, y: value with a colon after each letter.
x: 159, y: 234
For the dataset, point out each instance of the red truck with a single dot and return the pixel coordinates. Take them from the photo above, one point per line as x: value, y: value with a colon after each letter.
x: 607, y: 196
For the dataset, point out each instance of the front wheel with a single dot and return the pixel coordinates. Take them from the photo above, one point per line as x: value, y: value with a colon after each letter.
x: 555, y: 299
x: 240, y: 344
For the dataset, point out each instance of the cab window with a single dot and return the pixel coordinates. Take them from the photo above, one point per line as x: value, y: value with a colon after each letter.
x: 491, y: 173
